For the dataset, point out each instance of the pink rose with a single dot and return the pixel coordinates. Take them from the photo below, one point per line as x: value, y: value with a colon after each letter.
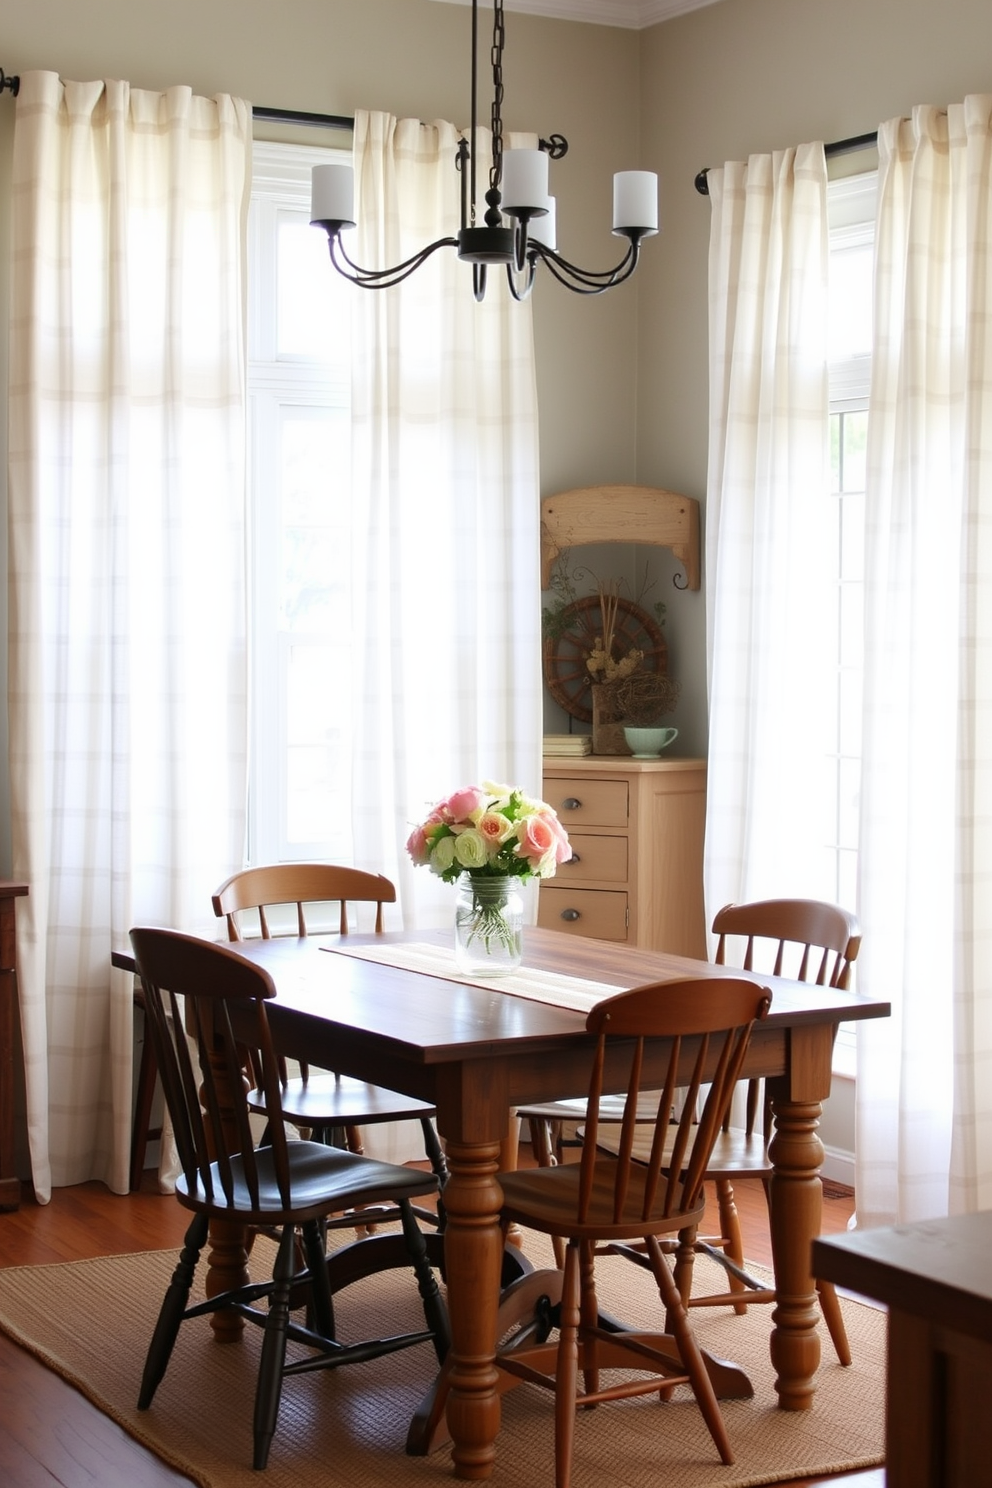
x: 563, y: 848
x: 418, y: 846
x: 537, y: 838
x: 461, y: 804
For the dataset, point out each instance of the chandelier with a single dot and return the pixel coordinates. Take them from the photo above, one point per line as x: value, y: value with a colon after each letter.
x: 517, y: 190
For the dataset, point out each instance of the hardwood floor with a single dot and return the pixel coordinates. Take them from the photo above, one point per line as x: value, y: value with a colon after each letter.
x: 50, y: 1435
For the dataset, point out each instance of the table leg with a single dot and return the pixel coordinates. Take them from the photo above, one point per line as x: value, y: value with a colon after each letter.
x: 796, y: 1203
x: 473, y: 1256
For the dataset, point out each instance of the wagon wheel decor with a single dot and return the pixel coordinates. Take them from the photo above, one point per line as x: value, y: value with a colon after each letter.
x: 565, y: 672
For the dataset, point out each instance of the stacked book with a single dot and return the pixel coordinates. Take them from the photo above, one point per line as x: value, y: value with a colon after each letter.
x: 567, y: 746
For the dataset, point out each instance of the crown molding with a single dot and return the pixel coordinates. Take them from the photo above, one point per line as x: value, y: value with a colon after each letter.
x: 634, y: 15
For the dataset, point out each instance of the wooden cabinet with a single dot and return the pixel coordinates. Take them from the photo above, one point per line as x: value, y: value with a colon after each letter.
x: 934, y: 1277
x: 636, y: 829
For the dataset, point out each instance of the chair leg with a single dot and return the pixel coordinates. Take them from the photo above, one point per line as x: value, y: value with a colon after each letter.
x: 730, y: 1230
x: 171, y: 1312
x: 270, y: 1369
x: 545, y: 1157
x: 435, y: 1312
x: 588, y: 1318
x: 320, y: 1309
x: 834, y: 1319
x: 689, y: 1352
x: 567, y: 1367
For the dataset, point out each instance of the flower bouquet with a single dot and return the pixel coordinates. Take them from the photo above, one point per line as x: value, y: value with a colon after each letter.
x: 489, y: 839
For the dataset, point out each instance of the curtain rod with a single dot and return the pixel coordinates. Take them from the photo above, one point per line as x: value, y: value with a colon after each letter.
x: 289, y: 116
x: 838, y: 147
x: 272, y: 115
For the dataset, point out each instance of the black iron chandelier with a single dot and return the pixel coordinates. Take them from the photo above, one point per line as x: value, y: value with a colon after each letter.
x: 518, y: 191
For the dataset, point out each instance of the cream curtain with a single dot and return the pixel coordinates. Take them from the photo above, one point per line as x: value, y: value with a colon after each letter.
x: 445, y: 488
x: 924, y: 1102
x: 768, y: 477
x: 127, y: 619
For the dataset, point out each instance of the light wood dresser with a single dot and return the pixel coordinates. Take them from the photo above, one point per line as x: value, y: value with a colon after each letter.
x: 636, y: 829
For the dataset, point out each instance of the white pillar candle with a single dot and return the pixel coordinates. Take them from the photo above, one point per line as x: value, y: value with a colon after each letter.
x: 332, y: 194
x: 543, y: 229
x: 635, y: 201
x: 525, y: 179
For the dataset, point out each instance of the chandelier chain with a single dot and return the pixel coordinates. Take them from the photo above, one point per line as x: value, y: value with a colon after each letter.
x: 499, y: 38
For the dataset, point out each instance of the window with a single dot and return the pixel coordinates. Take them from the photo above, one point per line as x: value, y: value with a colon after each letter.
x: 299, y: 450
x: 851, y: 207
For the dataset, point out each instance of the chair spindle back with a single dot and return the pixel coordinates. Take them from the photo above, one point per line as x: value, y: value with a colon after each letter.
x: 193, y: 985
x: 709, y: 1023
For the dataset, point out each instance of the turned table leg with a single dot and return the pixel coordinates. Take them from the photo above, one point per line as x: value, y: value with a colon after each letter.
x: 796, y: 1203
x: 473, y: 1257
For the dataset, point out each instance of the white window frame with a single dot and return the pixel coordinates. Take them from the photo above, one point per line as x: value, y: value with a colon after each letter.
x: 280, y: 183
x: 851, y: 217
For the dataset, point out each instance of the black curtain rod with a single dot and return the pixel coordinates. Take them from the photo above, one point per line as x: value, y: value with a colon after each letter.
x: 838, y: 147
x: 272, y: 115
x: 289, y: 116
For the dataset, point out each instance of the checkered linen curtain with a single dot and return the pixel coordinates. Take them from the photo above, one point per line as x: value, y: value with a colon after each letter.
x: 767, y: 479
x: 924, y: 1093
x: 127, y: 615
x: 445, y: 487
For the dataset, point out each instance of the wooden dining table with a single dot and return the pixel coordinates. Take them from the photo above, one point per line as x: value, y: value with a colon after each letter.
x: 478, y: 1050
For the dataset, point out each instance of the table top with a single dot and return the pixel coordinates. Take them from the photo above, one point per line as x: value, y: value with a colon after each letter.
x: 428, y: 1020
x: 940, y: 1269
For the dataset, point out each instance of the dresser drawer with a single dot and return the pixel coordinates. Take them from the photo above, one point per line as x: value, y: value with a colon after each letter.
x: 601, y: 913
x: 589, y: 803
x: 601, y: 858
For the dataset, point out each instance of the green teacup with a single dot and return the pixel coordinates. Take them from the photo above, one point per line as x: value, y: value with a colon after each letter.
x: 646, y: 743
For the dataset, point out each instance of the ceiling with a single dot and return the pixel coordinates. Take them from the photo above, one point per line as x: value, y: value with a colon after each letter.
x: 633, y: 14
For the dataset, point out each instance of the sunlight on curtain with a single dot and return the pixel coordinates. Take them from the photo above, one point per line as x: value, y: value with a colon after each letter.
x: 127, y: 623
x: 924, y: 1110
x: 766, y: 507
x: 446, y: 626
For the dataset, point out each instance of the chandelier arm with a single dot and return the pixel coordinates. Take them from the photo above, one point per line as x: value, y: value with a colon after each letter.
x: 380, y: 278
x: 587, y: 281
x: 521, y: 284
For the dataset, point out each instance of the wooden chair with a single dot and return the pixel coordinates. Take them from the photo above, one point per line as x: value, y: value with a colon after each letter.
x: 605, y: 1200
x: 806, y: 940
x: 331, y: 1106
x: 280, y: 1187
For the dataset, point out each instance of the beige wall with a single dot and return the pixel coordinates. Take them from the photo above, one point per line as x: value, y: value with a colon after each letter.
x: 622, y: 379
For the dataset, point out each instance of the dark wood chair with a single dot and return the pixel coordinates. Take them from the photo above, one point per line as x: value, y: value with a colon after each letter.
x: 283, y: 1187
x: 806, y: 940
x: 332, y: 1107
x: 604, y: 1200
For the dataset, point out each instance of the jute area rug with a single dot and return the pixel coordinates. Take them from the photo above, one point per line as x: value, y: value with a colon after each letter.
x: 91, y: 1322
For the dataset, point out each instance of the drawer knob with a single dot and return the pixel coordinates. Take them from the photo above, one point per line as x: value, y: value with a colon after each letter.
x: 575, y: 858
x: 571, y: 803
x: 570, y: 914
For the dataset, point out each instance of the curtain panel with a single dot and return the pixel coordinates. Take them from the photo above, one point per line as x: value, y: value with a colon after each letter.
x: 446, y: 507
x: 768, y: 477
x: 924, y: 1093
x: 127, y: 608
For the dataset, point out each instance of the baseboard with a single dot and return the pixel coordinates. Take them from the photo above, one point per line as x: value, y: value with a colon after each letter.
x: 838, y: 1166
